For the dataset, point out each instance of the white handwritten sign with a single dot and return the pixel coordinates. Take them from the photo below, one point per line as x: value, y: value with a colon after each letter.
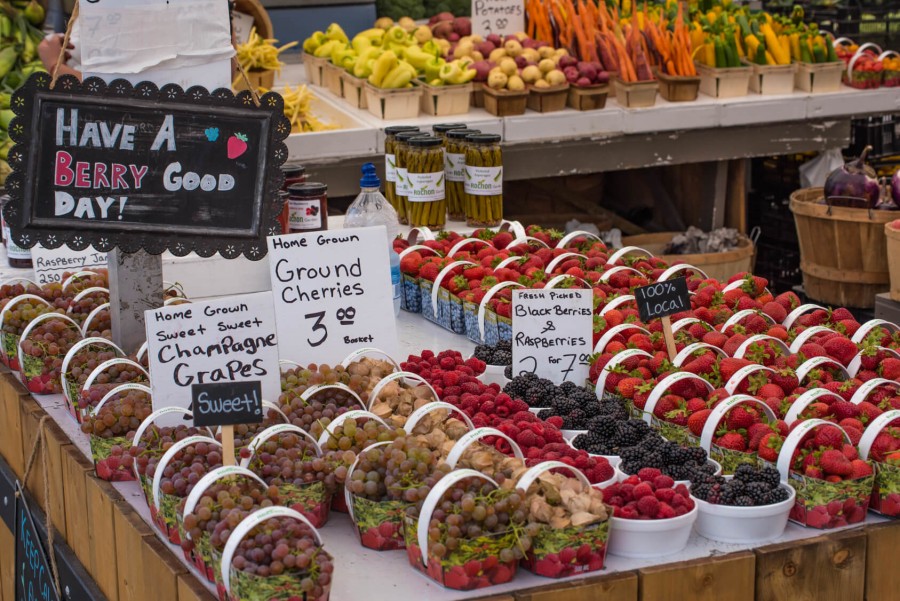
x: 332, y: 293
x: 500, y: 17
x: 552, y: 333
x: 51, y: 263
x: 227, y: 340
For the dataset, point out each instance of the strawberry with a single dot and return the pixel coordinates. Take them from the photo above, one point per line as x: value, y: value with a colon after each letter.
x: 841, y: 349
x: 788, y: 300
x: 740, y: 419
x: 776, y: 311
x: 729, y: 366
x: 627, y: 386
x: 786, y: 379
x: 890, y: 369
x: 811, y: 349
x: 828, y: 437
x: 702, y: 364
x: 770, y: 390
x: 733, y: 441
x: 842, y: 314
x: 501, y: 240
x: 860, y: 469
x: 841, y: 410
x: 770, y: 446
x: 834, y: 463
x: 697, y: 420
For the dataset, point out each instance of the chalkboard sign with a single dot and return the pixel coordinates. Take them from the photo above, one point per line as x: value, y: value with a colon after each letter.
x: 227, y: 403
x: 34, y: 579
x: 136, y: 166
x: 662, y: 299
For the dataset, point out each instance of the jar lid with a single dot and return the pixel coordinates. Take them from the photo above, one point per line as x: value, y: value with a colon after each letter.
x: 290, y: 171
x: 483, y: 138
x: 406, y: 135
x: 426, y: 142
x: 308, y: 189
x: 442, y: 128
x: 462, y: 134
x: 393, y: 130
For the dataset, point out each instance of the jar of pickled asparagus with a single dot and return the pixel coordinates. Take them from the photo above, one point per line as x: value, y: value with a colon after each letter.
x: 401, y: 186
x: 426, y: 199
x: 483, y: 180
x: 440, y: 130
x: 455, y: 170
x: 390, y: 164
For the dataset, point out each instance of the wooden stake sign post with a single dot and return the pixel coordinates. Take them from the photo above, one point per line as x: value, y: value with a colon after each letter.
x: 661, y: 301
x: 225, y: 405
x: 135, y: 170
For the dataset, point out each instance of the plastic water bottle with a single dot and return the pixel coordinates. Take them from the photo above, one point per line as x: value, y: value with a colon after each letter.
x: 371, y: 208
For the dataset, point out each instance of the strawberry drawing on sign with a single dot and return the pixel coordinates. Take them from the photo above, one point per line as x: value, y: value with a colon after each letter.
x: 237, y: 145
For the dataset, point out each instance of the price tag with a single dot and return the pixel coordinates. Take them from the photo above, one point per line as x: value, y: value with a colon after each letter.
x: 242, y: 24
x: 551, y: 333
x: 51, y: 263
x: 498, y: 17
x: 224, y: 341
x: 332, y: 293
x: 227, y: 403
x: 34, y: 580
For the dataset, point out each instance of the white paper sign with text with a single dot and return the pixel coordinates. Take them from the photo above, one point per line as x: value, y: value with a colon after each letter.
x: 232, y: 339
x: 501, y: 17
x: 333, y: 293
x: 552, y: 333
x: 51, y: 263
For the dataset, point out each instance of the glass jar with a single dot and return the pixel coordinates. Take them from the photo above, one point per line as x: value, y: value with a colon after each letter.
x: 390, y: 164
x: 440, y: 130
x: 484, y: 180
x: 455, y: 170
x: 426, y: 198
x: 401, y: 190
x: 293, y: 174
x: 308, y: 203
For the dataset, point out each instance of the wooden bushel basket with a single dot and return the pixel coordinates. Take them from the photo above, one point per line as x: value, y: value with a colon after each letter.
x: 717, y: 265
x: 843, y: 251
x: 893, y: 256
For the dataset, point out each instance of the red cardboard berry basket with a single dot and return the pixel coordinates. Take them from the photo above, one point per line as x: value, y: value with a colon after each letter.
x: 886, y: 491
x: 112, y: 461
x: 37, y: 358
x: 562, y: 552
x: 76, y: 368
x: 9, y: 340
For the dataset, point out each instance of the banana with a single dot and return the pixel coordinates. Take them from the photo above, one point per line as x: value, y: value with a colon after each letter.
x: 383, y: 65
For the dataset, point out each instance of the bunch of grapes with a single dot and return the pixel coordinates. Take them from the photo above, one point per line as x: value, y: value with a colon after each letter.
x: 229, y: 499
x: 186, y: 468
x: 405, y: 470
x: 244, y: 433
x: 43, y: 351
x: 10, y: 291
x: 360, y: 376
x: 101, y: 325
x: 98, y: 278
x: 21, y: 314
x: 80, y: 309
x: 111, y: 430
x: 113, y: 376
x: 356, y: 434
x: 283, y: 549
x: 85, y: 361
x: 318, y: 410
x: 53, y: 294
x: 156, y: 440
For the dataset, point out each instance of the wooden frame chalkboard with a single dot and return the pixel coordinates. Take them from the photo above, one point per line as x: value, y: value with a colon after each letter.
x: 140, y: 167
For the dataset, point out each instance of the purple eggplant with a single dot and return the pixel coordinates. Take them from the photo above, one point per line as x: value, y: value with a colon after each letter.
x: 853, y: 185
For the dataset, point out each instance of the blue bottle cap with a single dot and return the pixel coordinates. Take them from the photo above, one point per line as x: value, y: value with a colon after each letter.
x: 369, y: 178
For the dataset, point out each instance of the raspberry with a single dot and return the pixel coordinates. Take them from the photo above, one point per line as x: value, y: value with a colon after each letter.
x: 648, y: 505
x: 663, y: 482
x: 451, y: 378
x: 425, y: 355
x: 648, y: 474
x: 447, y: 363
x: 626, y: 489
x: 682, y: 490
x: 665, y: 511
x: 472, y: 388
x: 678, y: 501
x: 642, y: 490
x: 665, y: 495
x: 527, y: 438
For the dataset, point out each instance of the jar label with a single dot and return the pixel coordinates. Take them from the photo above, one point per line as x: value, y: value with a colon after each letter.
x: 402, y: 177
x: 484, y: 181
x: 305, y: 215
x: 426, y: 187
x: 12, y: 250
x: 390, y: 167
x: 455, y: 167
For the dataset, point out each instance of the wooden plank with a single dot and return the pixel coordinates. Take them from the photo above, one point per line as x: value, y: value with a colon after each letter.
x: 191, y: 589
x: 31, y: 414
x: 100, y: 501
x: 736, y: 202
x: 882, y: 575
x: 825, y: 568
x: 7, y: 565
x: 11, y: 441
x: 161, y: 568
x: 720, y: 191
x: 57, y: 441
x: 726, y: 578
x: 615, y: 587
x: 75, y: 472
x: 130, y: 532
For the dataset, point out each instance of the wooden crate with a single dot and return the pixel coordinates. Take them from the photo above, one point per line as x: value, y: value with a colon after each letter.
x: 7, y: 565
x: 55, y: 440
x: 772, y: 79
x: 717, y: 265
x: 882, y: 575
x: 590, y: 98
x: 724, y: 83
x: 614, y: 587
x: 442, y: 101
x: 824, y: 568
x: 726, y: 578
x: 817, y: 78
x: 402, y: 103
x: 548, y: 100
x: 893, y: 257
x: 101, y: 499
x: 355, y: 91
x: 130, y: 532
x: 76, y: 470
x: 161, y: 568
x: 636, y: 94
x: 11, y: 412
x: 678, y: 88
x: 331, y: 79
x: 258, y: 80
x: 314, y: 67
x: 843, y: 251
x: 503, y: 103
x: 191, y: 589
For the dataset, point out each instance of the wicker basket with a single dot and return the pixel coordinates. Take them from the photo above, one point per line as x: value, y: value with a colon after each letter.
x: 260, y: 17
x: 843, y: 251
x: 716, y: 265
x: 893, y: 256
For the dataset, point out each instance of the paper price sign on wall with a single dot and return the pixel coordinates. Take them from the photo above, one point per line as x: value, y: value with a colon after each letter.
x: 552, y: 333
x: 500, y: 17
x: 51, y: 263
x: 217, y: 342
x: 332, y: 293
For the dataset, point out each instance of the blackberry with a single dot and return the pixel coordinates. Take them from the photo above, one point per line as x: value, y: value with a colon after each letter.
x: 759, y: 492
x: 701, y: 491
x: 605, y: 427
x: 770, y: 476
x: 508, y: 372
x: 568, y: 387
x: 745, y: 473
x: 778, y: 495
x: 500, y: 354
x: 518, y: 387
x: 743, y: 501
x: 564, y: 406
